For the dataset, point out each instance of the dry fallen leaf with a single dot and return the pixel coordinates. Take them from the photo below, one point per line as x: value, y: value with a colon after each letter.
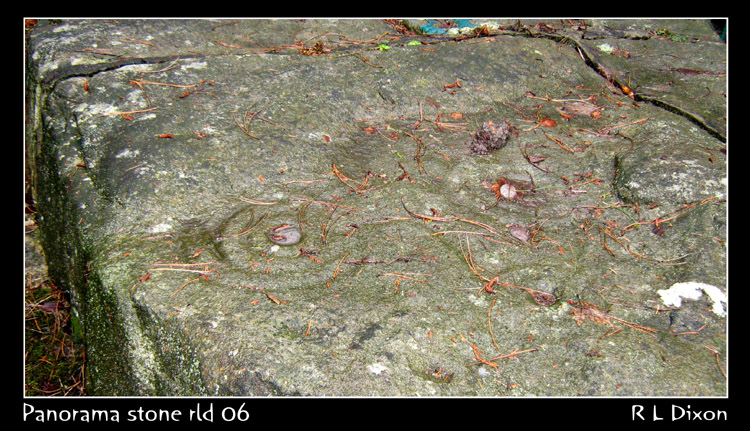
x: 536, y: 159
x: 543, y: 298
x: 589, y: 311
x: 50, y: 307
x: 432, y: 102
x: 580, y: 108
x: 519, y: 232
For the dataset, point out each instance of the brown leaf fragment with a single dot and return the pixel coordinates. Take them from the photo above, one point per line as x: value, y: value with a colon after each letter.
x: 658, y: 230
x: 318, y: 48
x: 519, y: 232
x: 432, y: 102
x: 591, y: 312
x: 573, y: 109
x: 536, y: 159
x: 698, y: 72
x: 543, y: 298
x: 578, y: 315
x: 51, y: 307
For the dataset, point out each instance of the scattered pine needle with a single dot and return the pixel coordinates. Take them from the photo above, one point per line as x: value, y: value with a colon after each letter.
x: 183, y: 286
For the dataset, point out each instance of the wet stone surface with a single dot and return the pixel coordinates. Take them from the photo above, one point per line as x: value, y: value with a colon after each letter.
x: 164, y: 154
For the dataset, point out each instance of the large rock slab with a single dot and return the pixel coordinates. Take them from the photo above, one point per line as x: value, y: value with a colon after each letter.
x: 164, y: 152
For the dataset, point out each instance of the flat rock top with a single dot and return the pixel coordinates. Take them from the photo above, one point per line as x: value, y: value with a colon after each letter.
x: 423, y: 267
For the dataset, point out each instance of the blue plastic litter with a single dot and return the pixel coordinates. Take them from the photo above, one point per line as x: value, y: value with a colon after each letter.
x: 436, y: 26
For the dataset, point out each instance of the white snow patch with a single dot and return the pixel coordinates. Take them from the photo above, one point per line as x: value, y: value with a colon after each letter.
x: 693, y: 290
x: 376, y: 368
x: 195, y: 65
x: 127, y: 153
x: 161, y: 228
